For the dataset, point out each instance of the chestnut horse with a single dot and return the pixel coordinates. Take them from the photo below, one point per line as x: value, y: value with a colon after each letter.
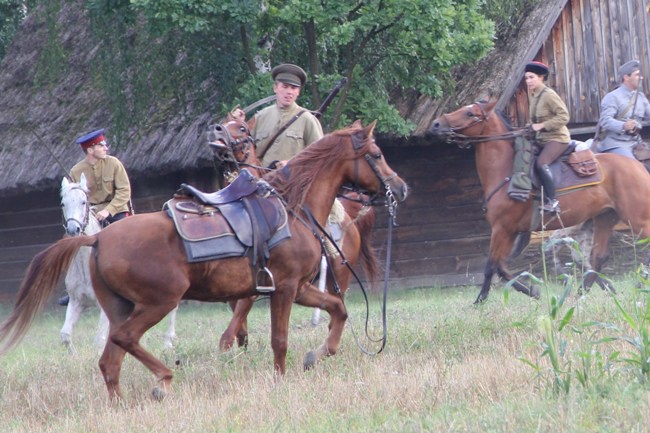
x: 232, y: 145
x: 140, y: 272
x: 623, y: 195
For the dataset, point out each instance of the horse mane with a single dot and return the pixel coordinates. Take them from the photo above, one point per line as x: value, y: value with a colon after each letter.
x: 294, y: 180
x: 504, y: 119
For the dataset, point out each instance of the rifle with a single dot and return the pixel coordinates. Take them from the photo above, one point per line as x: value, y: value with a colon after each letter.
x: 329, y: 98
x: 636, y: 100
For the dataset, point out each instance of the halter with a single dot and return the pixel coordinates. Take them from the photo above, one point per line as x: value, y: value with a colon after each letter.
x: 83, y: 224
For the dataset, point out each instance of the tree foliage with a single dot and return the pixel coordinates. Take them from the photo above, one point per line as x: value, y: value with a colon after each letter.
x: 162, y: 57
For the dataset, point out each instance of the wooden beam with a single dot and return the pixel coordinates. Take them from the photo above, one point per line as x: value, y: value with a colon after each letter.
x: 512, y: 85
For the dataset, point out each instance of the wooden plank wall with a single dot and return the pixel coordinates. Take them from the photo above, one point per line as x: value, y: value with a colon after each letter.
x: 442, y: 236
x: 587, y: 45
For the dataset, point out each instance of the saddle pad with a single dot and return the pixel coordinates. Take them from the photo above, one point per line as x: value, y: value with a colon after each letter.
x: 568, y: 179
x: 209, y: 234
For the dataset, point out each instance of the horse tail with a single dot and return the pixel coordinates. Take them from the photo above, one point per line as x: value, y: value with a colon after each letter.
x: 365, y: 222
x: 41, y: 277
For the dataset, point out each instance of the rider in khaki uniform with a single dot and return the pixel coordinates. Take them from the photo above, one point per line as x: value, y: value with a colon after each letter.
x: 108, y: 184
x: 288, y: 79
x: 549, y: 117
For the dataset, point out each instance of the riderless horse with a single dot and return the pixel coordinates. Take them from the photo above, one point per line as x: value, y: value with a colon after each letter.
x: 140, y: 269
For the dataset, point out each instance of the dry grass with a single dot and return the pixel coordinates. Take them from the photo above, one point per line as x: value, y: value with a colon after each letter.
x: 448, y: 366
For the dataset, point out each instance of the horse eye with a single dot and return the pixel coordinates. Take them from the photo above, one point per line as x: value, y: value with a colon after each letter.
x: 470, y: 114
x: 377, y: 155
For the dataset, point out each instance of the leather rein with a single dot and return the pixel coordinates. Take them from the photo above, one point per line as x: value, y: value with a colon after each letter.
x: 465, y: 141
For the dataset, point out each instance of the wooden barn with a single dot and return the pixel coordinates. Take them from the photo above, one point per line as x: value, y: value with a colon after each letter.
x: 442, y: 236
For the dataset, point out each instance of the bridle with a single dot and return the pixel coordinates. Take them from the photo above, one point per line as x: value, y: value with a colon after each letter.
x: 244, y: 145
x: 82, y: 224
x: 463, y: 141
x: 391, y: 202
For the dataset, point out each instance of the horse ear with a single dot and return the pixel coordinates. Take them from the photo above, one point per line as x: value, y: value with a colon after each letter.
x: 65, y: 182
x: 357, y: 124
x: 370, y: 128
x: 82, y: 181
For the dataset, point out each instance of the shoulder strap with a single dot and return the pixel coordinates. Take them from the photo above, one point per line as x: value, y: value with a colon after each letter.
x: 280, y: 131
x: 623, y: 113
x: 533, y: 117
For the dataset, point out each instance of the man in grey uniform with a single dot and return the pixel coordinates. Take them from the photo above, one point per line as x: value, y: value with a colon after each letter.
x: 621, y: 112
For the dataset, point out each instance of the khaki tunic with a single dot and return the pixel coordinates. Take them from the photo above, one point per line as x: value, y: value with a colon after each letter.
x: 545, y: 106
x: 304, y: 131
x: 108, y: 183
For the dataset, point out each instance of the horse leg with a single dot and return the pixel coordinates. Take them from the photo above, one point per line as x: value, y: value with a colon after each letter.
x: 281, y: 302
x: 603, y: 225
x: 102, y: 329
x: 72, y: 313
x: 333, y: 304
x: 501, y: 243
x: 237, y: 328
x: 170, y: 334
x: 125, y: 335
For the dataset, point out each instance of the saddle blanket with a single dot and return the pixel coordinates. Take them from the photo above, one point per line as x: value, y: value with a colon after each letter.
x: 210, y: 233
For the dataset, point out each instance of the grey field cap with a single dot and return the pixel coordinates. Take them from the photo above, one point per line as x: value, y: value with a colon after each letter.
x: 628, y: 68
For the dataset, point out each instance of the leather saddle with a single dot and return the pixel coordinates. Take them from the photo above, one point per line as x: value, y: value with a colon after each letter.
x: 570, y: 176
x: 235, y: 221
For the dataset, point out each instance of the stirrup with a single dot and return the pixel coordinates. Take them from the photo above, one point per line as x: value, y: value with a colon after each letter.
x: 552, y: 206
x: 264, y: 289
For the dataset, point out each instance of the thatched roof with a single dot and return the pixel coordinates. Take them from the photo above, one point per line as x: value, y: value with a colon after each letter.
x: 38, y: 124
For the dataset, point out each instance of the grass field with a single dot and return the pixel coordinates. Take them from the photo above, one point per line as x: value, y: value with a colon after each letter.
x: 560, y: 364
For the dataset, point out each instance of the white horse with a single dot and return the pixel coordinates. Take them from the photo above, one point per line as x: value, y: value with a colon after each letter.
x: 79, y: 219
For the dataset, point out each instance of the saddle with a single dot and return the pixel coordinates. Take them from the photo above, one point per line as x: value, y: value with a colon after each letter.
x: 236, y: 221
x: 572, y: 170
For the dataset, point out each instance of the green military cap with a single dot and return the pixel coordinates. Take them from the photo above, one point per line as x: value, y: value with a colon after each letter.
x: 289, y: 74
x: 628, y: 68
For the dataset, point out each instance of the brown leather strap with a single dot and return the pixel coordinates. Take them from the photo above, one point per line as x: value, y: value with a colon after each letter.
x: 280, y: 131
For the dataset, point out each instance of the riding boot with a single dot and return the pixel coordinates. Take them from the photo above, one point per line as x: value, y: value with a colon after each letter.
x: 546, y: 177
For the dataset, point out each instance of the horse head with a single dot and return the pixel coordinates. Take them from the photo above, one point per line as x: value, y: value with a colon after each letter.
x: 232, y: 144
x: 469, y: 121
x: 75, y: 206
x: 346, y: 156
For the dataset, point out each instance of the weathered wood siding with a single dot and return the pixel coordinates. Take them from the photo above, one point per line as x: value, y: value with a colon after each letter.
x: 585, y: 48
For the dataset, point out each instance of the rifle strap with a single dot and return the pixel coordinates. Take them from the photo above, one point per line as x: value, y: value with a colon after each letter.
x: 280, y: 131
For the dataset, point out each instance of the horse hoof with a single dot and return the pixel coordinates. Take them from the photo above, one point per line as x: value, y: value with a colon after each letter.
x: 158, y: 394
x: 310, y: 360
x: 534, y: 291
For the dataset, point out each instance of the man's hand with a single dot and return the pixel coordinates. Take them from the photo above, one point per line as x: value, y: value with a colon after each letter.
x: 103, y: 214
x: 631, y: 127
x: 237, y: 114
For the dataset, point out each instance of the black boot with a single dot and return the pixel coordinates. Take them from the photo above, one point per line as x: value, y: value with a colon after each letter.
x: 546, y: 177
x: 63, y: 301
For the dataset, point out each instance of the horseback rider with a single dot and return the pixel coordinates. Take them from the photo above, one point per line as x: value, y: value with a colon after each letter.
x: 284, y: 128
x: 108, y: 183
x: 549, y: 117
x: 621, y: 110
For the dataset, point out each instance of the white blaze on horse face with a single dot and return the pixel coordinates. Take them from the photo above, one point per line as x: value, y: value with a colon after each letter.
x: 74, y: 202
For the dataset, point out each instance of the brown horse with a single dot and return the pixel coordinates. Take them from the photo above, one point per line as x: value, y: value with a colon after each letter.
x: 140, y: 272
x: 233, y: 148
x: 623, y: 195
